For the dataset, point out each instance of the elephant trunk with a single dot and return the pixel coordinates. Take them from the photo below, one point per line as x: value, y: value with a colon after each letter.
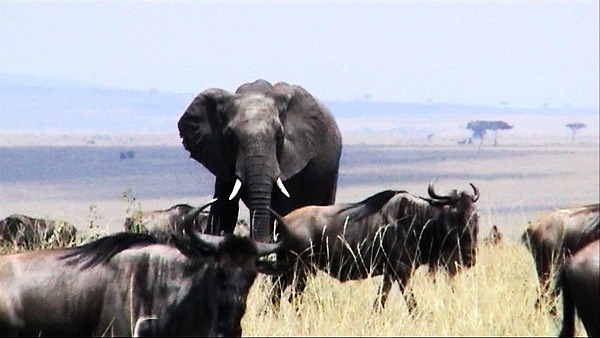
x: 259, y: 189
x: 260, y: 175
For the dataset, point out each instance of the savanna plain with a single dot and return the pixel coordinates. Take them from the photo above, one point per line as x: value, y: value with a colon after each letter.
x: 90, y: 186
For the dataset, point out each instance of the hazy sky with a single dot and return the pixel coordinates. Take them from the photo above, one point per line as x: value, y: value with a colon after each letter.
x: 523, y: 54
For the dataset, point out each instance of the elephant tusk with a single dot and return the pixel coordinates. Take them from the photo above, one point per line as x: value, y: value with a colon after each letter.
x: 236, y: 189
x: 282, y: 187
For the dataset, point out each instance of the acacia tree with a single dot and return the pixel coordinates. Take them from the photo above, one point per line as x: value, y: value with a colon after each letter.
x: 574, y: 128
x: 480, y: 128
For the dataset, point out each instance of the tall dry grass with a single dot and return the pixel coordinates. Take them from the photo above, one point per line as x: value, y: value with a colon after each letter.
x: 493, y: 298
x: 496, y: 297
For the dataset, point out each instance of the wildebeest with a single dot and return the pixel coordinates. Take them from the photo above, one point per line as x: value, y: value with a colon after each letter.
x: 580, y: 282
x: 23, y: 230
x: 554, y: 236
x: 495, y: 236
x: 196, y: 286
x: 390, y: 233
x: 164, y: 223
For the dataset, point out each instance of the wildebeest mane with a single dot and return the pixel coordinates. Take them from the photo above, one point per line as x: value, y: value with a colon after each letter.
x: 103, y: 249
x: 369, y: 205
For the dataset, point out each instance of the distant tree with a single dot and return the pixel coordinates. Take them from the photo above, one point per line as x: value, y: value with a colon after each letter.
x: 574, y: 128
x: 479, y: 129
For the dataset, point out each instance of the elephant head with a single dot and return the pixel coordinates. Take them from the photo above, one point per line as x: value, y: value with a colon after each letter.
x: 255, y: 139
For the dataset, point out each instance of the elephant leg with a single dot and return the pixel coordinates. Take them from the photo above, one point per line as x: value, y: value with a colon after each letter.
x: 383, y: 292
x: 223, y: 213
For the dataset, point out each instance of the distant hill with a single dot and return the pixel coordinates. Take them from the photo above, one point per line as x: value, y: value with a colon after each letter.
x: 47, y: 106
x: 41, y: 105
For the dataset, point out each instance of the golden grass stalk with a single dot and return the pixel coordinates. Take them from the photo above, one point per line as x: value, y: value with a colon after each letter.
x: 496, y: 297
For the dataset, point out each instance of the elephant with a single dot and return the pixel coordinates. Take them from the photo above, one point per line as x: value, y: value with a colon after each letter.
x: 260, y: 137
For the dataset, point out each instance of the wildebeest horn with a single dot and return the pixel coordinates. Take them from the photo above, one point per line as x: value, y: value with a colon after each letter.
x: 475, y: 194
x: 432, y: 193
x: 188, y: 220
x: 211, y: 242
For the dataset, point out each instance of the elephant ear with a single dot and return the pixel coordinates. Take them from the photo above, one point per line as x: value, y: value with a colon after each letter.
x: 200, y: 128
x: 305, y: 128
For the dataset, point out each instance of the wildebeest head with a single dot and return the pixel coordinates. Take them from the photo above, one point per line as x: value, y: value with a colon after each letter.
x: 459, y: 224
x: 237, y: 271
x: 238, y: 266
x: 164, y: 223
